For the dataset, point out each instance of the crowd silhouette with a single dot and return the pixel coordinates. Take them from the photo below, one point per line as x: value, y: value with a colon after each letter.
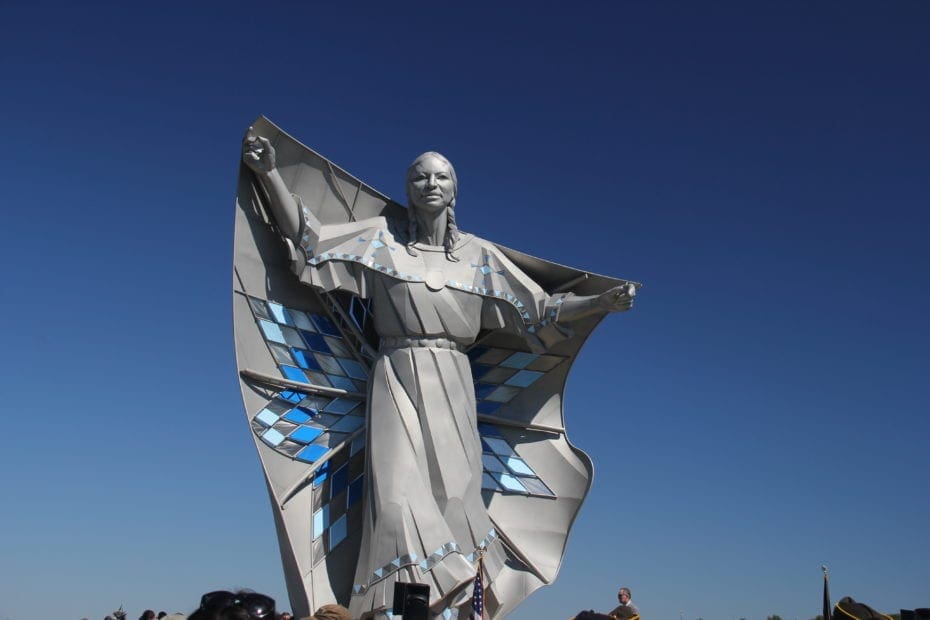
x: 238, y: 605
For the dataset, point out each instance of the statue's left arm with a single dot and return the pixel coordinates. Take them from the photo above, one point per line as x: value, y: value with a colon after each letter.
x: 616, y: 299
x: 545, y: 317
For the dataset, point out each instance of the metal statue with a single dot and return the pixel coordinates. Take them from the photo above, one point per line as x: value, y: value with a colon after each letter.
x: 403, y: 380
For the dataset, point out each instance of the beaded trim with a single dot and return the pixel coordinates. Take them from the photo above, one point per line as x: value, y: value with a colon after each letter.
x: 425, y: 565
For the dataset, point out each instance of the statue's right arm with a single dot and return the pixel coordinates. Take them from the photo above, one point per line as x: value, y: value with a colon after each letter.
x: 259, y: 156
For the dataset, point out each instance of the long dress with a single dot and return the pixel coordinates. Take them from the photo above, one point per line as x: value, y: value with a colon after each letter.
x: 425, y: 520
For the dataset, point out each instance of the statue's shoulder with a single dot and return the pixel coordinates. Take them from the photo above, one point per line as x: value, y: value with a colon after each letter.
x: 385, y: 229
x: 371, y: 224
x: 471, y: 245
x: 372, y: 242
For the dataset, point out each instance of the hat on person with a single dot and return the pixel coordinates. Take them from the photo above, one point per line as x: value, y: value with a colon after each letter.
x: 330, y: 612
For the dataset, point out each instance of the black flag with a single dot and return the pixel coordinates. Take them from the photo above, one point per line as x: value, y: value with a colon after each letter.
x: 826, y: 595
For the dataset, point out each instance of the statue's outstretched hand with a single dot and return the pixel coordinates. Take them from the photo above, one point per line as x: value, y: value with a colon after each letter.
x: 617, y: 299
x: 257, y: 153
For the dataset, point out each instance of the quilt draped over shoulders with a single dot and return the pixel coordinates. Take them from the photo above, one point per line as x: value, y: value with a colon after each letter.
x: 365, y: 258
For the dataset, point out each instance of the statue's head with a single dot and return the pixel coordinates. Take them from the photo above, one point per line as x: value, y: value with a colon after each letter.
x: 431, y: 182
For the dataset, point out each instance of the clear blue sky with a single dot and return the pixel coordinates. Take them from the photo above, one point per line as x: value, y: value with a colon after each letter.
x: 763, y: 167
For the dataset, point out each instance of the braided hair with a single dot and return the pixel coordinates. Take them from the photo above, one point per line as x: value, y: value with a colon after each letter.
x: 452, y: 229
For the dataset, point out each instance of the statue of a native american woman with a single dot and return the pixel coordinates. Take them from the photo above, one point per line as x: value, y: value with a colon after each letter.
x: 404, y: 381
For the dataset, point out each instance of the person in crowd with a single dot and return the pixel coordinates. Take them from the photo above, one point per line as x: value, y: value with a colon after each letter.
x: 148, y: 614
x: 626, y: 605
x: 330, y: 612
x: 590, y: 614
x: 241, y: 605
x: 621, y: 613
x: 624, y: 612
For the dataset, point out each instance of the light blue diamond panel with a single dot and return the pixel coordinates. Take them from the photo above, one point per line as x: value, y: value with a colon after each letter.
x: 376, y: 243
x: 485, y: 267
x: 309, y: 348
x: 504, y: 470
x: 502, y: 374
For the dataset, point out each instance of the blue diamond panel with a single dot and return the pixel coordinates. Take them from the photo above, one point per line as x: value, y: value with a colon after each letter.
x: 316, y: 342
x: 340, y: 481
x: 519, y: 360
x: 271, y: 331
x: 504, y: 470
x: 294, y: 397
x: 305, y: 434
x: 488, y: 407
x: 337, y: 531
x: 320, y: 521
x: 343, y: 383
x: 294, y: 374
x: 325, y: 325
x: 321, y: 475
x: 280, y: 313
x: 298, y: 415
x: 305, y: 359
x: 360, y: 311
x: 312, y: 453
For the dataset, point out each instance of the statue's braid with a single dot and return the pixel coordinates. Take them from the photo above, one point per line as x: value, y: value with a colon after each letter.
x: 452, y: 232
x: 411, y: 231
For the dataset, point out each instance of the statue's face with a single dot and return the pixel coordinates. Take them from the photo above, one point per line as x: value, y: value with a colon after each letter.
x: 430, y: 185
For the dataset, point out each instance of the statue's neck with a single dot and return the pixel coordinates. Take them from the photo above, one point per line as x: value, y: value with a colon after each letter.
x: 431, y: 226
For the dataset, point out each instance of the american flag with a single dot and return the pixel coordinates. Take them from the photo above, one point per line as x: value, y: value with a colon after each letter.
x: 477, y: 597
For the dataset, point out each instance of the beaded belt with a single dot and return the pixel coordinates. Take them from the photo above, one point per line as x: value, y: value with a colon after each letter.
x: 403, y: 342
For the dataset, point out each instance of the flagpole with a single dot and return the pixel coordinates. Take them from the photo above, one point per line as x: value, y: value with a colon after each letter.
x: 826, y: 594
